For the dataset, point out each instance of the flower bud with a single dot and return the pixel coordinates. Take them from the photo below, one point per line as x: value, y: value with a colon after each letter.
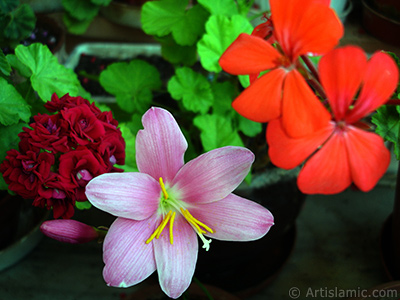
x: 69, y: 231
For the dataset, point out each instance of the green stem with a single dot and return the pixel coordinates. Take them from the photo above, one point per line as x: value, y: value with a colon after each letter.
x: 203, y: 288
x: 89, y: 76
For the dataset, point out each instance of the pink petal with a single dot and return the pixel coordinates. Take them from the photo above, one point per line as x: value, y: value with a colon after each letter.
x: 160, y: 146
x: 213, y: 175
x: 328, y: 170
x: 234, y: 219
x: 128, y: 195
x: 379, y: 82
x: 302, y: 113
x: 249, y: 54
x: 176, y: 262
x: 286, y: 152
x: 341, y: 72
x: 128, y: 259
x: 262, y: 100
x: 369, y: 158
x: 69, y: 231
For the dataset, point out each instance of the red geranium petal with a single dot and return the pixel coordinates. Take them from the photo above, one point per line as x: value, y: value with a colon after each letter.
x: 261, y: 101
x: 379, y: 82
x: 328, y: 170
x: 286, y: 152
x: 369, y: 158
x: 302, y: 112
x: 303, y: 26
x: 341, y: 72
x: 248, y: 55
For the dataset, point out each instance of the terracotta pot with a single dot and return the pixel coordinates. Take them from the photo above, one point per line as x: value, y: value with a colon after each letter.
x: 384, y: 27
x: 194, y: 292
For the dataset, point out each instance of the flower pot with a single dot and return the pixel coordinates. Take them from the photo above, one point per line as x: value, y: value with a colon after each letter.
x: 246, y: 268
x: 386, y: 246
x: 19, y: 232
x: 383, y: 26
x: 194, y: 292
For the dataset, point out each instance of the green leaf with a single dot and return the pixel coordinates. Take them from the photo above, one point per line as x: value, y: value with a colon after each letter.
x: 83, y: 205
x: 15, y: 63
x: 129, y: 137
x: 177, y: 54
x: 81, y: 10
x: 221, y: 31
x: 21, y: 24
x: 192, y: 88
x: 6, y: 6
x: 5, y: 67
x: 48, y: 76
x: 76, y: 26
x: 171, y: 16
x: 216, y: 132
x: 12, y: 106
x: 101, y: 2
x: 220, y: 7
x: 248, y: 127
x: 224, y: 92
x: 387, y: 121
x: 131, y: 83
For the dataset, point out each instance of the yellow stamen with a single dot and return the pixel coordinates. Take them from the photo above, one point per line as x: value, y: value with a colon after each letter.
x: 171, y: 225
x: 163, y: 224
x: 156, y: 234
x: 163, y: 188
x: 195, y: 224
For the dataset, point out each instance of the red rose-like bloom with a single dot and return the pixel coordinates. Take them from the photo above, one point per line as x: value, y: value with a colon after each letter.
x: 48, y: 132
x: 85, y: 127
x: 112, y: 150
x: 66, y: 101
x: 24, y: 173
x: 78, y: 167
x: 56, y: 194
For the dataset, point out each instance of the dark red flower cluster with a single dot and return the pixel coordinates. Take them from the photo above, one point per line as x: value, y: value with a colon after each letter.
x: 61, y: 152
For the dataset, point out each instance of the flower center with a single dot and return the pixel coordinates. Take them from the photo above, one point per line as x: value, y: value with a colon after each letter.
x: 173, y: 206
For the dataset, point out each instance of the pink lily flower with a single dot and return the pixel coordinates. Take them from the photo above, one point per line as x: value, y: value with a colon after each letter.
x: 163, y: 208
x: 342, y: 151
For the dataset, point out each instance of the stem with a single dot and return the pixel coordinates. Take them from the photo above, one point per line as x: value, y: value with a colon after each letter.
x: 310, y: 66
x: 396, y: 228
x: 203, y: 288
x: 393, y: 102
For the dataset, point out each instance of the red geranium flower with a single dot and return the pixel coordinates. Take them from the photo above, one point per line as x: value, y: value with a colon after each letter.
x: 299, y: 27
x: 78, y: 167
x: 25, y: 172
x: 66, y: 101
x: 48, y: 133
x: 84, y: 124
x: 57, y: 194
x: 342, y: 151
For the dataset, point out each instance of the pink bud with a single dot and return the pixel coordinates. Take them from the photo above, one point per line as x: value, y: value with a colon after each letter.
x: 69, y: 231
